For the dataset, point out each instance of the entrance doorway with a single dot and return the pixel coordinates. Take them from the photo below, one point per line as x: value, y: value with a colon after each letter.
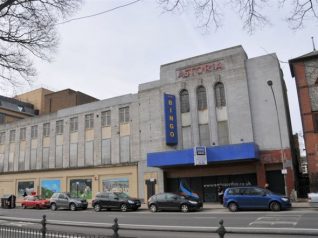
x: 151, y: 187
x: 275, y: 179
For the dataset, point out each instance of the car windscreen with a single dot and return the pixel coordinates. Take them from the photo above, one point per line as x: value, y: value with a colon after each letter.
x: 122, y: 195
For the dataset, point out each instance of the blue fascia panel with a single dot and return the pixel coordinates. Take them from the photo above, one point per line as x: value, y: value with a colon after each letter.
x: 215, y: 154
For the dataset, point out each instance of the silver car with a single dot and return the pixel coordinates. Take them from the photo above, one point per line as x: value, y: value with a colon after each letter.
x: 67, y: 201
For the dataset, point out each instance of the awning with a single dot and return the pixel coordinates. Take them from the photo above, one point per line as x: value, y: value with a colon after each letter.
x: 215, y: 154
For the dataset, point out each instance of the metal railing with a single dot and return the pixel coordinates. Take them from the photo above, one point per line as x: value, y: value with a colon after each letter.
x: 11, y: 231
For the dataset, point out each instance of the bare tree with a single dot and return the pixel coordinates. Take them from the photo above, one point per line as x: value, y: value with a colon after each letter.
x: 28, y: 27
x: 252, y: 12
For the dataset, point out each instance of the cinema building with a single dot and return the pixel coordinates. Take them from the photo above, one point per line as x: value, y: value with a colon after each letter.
x: 209, y: 120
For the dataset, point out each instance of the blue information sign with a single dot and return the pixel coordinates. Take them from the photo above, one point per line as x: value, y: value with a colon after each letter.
x: 170, y: 119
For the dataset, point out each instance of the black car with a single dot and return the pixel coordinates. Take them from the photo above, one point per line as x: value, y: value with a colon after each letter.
x: 107, y: 200
x: 171, y: 201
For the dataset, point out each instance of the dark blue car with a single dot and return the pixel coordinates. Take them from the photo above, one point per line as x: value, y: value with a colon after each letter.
x: 251, y: 198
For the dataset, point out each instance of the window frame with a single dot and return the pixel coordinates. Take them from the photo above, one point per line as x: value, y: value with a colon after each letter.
x: 22, y: 134
x: 315, y: 121
x: 219, y: 92
x: 73, y: 124
x: 2, y: 137
x: 46, y: 129
x: 124, y: 115
x: 12, y: 136
x: 184, y: 101
x: 34, y: 132
x: 201, y: 98
x: 59, y: 127
x: 106, y: 118
x: 89, y: 121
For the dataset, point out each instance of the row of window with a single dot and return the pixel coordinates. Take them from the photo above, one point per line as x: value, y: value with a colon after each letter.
x: 59, y: 125
x: 202, y: 99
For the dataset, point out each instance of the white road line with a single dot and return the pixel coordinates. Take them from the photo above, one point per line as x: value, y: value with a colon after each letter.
x: 273, y: 223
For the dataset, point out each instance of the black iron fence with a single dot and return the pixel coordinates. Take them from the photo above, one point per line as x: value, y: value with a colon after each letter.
x: 13, y: 231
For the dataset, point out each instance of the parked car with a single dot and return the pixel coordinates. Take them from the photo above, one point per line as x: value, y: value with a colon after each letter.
x: 67, y: 201
x: 171, y: 201
x: 121, y: 201
x: 313, y: 199
x: 35, y: 202
x: 254, y: 198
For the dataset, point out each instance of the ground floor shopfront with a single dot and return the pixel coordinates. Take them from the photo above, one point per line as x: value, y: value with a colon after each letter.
x: 85, y: 182
x: 227, y: 166
x: 205, y: 181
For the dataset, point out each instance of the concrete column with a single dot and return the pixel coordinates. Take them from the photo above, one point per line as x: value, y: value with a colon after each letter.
x: 66, y: 143
x: 81, y: 141
x: 212, y: 113
x: 39, y: 154
x: 115, y: 127
x: 194, y: 115
x: 97, y: 139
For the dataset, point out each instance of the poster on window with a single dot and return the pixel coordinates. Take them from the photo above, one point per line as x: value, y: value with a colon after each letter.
x: 81, y: 188
x: 116, y: 185
x: 25, y: 188
x: 48, y: 187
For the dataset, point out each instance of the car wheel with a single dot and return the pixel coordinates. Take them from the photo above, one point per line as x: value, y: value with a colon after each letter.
x: 153, y: 208
x: 97, y: 208
x: 184, y: 208
x: 274, y: 206
x: 53, y: 207
x: 24, y: 206
x: 72, y: 207
x: 123, y: 207
x: 233, y: 207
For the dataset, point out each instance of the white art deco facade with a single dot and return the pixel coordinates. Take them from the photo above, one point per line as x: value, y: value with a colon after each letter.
x: 144, y: 143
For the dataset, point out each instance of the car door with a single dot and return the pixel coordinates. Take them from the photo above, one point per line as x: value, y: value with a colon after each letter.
x: 104, y: 200
x: 255, y: 198
x: 113, y: 201
x: 172, y: 201
x: 161, y: 201
x: 62, y: 201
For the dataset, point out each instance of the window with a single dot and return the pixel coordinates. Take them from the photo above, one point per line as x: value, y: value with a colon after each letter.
x: 184, y: 101
x: 12, y: 135
x: 46, y: 129
x: 201, y: 95
x: 106, y: 118
x: 22, y: 133
x: 2, y: 118
x: 34, y: 132
x: 2, y: 137
x: 124, y: 115
x: 73, y: 124
x: 223, y: 132
x: 59, y: 127
x: 219, y: 95
x: 89, y: 121
x: 315, y: 121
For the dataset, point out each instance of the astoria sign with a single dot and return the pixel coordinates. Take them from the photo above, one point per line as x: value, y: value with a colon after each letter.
x: 200, y: 69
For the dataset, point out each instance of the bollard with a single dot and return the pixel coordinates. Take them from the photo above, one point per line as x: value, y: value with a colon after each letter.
x: 43, y: 223
x: 221, y: 230
x: 115, y: 228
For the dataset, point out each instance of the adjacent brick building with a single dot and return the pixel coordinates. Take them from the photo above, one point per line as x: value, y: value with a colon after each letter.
x: 305, y: 71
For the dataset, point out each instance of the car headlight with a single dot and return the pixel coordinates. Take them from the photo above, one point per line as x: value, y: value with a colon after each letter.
x: 285, y: 199
x: 131, y: 202
x: 193, y: 202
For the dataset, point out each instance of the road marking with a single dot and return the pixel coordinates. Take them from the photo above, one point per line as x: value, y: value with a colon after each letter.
x: 277, y: 220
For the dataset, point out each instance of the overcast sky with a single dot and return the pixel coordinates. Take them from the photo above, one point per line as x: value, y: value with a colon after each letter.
x: 111, y: 54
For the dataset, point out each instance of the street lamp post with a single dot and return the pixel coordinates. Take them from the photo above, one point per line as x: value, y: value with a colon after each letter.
x: 282, y: 156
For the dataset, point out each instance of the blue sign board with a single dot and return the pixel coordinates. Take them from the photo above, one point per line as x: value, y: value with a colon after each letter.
x: 170, y: 119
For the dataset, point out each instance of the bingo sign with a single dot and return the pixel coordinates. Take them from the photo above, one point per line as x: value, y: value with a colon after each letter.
x: 170, y: 119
